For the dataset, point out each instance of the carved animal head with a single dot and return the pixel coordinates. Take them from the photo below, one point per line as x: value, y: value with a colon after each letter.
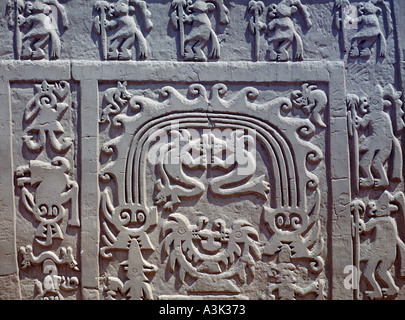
x: 68, y: 258
x: 36, y: 169
x: 386, y: 205
x: 287, y: 8
x: 200, y: 6
x: 378, y: 102
x: 299, y: 99
x: 121, y: 8
x: 122, y: 89
x: 37, y: 7
x: 368, y: 9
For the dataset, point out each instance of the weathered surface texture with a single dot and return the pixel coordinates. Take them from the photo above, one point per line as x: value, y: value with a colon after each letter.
x: 202, y: 149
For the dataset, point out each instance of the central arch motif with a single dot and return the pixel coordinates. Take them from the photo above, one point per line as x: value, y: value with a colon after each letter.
x: 291, y: 215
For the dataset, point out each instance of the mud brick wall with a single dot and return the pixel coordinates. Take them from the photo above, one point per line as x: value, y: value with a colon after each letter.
x: 202, y: 149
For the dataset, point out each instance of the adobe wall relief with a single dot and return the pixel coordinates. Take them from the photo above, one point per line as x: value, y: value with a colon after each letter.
x: 201, y: 150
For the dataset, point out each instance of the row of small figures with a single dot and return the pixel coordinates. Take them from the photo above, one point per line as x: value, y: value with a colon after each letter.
x: 39, y: 24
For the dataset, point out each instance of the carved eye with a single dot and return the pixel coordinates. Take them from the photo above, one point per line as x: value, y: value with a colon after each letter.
x: 383, y: 207
x: 238, y: 234
x: 55, y: 210
x: 125, y: 216
x: 181, y: 230
x: 43, y: 210
x: 280, y: 220
x: 140, y: 216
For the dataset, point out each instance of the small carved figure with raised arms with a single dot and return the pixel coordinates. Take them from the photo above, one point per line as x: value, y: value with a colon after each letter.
x: 192, y: 45
x: 283, y: 32
x: 119, y: 17
x: 34, y: 27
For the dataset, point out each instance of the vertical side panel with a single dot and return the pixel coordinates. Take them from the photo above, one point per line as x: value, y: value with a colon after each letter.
x: 9, y: 281
x: 341, y: 244
x: 89, y: 188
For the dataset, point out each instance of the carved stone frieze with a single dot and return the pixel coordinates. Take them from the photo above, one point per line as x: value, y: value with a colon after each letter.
x: 193, y: 43
x: 52, y: 284
x: 374, y: 132
x: 116, y: 25
x: 35, y: 26
x: 202, y: 150
x: 364, y: 19
x: 379, y: 244
x: 193, y: 156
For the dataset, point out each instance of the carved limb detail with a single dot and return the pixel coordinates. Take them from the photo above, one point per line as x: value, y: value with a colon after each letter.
x: 65, y: 257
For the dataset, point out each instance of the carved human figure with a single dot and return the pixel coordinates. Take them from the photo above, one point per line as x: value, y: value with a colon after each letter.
x: 137, y: 286
x: 380, y: 142
x: 282, y: 31
x: 201, y: 28
x: 370, y: 30
x: 43, y: 114
x: 52, y: 285
x: 380, y: 253
x: 119, y: 17
x: 36, y: 17
x: 287, y: 280
x: 53, y: 190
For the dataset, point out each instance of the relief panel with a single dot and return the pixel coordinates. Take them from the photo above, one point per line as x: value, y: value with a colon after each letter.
x: 46, y: 189
x: 256, y: 151
x: 200, y: 198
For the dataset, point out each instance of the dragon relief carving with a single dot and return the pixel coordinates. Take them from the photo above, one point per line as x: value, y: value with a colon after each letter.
x: 36, y: 26
x: 117, y: 99
x: 175, y: 184
x: 118, y: 29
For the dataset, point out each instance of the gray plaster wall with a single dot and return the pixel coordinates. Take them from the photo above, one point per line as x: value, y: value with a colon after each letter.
x: 144, y: 168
